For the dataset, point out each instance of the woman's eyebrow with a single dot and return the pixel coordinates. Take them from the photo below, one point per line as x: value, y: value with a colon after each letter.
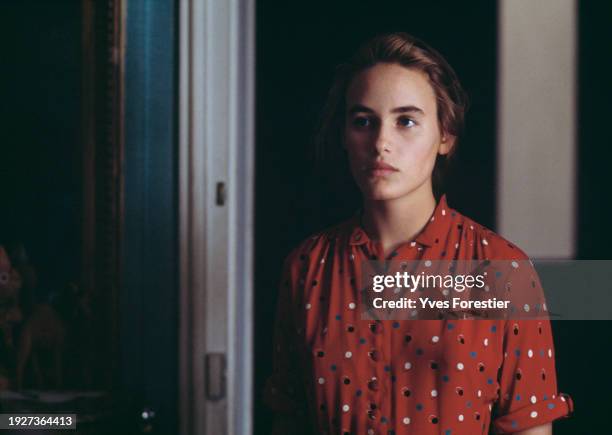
x: 360, y: 108
x: 405, y: 109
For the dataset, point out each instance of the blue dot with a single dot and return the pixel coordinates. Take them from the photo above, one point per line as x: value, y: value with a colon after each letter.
x: 393, y: 378
x: 338, y: 316
x: 498, y: 274
x: 383, y: 419
x: 387, y: 368
x: 419, y: 407
x: 448, y: 432
x: 490, y: 381
x: 362, y: 340
x: 358, y: 393
x: 518, y: 397
x: 419, y: 351
x: 545, y: 397
x: 333, y: 367
x: 445, y: 378
x: 450, y: 326
x: 493, y: 328
x: 514, y: 423
x: 473, y: 354
x: 468, y: 404
x: 551, y: 405
x: 396, y: 325
x: 541, y: 352
x: 517, y: 352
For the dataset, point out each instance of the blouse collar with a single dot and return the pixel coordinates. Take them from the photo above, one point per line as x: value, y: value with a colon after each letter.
x: 436, y: 228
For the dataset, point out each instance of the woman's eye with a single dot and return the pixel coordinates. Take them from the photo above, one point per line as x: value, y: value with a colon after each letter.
x: 361, y: 121
x: 406, y: 122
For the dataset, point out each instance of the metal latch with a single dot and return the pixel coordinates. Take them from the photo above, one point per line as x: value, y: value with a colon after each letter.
x: 220, y: 194
x: 215, y: 376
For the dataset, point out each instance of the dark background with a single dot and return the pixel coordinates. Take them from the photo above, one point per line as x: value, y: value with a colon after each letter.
x: 298, y: 46
x: 42, y: 184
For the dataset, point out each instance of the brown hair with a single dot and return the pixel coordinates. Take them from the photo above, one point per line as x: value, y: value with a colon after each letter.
x: 406, y: 50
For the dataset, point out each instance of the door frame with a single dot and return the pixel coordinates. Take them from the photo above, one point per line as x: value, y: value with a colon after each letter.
x: 216, y: 203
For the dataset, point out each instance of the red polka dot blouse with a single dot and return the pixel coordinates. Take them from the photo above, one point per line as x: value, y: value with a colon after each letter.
x: 335, y: 373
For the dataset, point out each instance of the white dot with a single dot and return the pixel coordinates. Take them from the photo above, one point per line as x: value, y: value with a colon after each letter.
x: 549, y: 353
x: 351, y: 305
x: 352, y: 257
x: 484, y: 242
x: 321, y: 381
x: 346, y: 408
x: 443, y: 212
x: 434, y: 393
x: 456, y: 245
x: 471, y: 227
x: 487, y: 288
x: 308, y: 306
x: 533, y: 399
x: 459, y: 366
x: 530, y: 353
x: 413, y: 244
x: 427, y: 263
x: 526, y: 308
x: 348, y: 354
x: 515, y: 264
x: 432, y: 218
x: 533, y: 414
x: 446, y: 292
x: 479, y: 393
x: 544, y: 307
x: 486, y: 341
x: 435, y: 339
x: 407, y: 365
x: 406, y: 420
x: 370, y: 431
x: 460, y: 417
x: 396, y: 290
x: 323, y: 260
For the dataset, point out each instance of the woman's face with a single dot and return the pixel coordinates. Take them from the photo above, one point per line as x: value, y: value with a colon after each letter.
x: 391, y: 131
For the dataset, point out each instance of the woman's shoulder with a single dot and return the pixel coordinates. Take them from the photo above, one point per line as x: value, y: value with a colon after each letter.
x: 318, y: 243
x: 491, y: 244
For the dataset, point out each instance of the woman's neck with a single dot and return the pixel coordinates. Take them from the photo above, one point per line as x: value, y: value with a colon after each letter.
x: 397, y: 221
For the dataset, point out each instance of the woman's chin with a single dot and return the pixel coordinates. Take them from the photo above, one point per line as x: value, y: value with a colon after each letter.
x: 378, y: 194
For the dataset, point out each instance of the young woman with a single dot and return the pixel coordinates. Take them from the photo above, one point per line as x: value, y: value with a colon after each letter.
x: 397, y: 108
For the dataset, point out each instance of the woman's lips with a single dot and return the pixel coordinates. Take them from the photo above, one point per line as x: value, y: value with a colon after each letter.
x: 381, y: 170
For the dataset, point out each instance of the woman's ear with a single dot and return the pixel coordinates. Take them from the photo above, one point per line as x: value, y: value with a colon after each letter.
x: 446, y: 145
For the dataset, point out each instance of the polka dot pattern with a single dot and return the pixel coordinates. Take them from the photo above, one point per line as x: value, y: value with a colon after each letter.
x: 410, y: 376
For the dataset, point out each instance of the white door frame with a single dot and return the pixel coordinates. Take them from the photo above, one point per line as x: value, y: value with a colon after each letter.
x: 216, y: 166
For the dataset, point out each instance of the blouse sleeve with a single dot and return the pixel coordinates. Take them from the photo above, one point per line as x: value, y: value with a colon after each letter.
x: 528, y: 384
x: 284, y: 391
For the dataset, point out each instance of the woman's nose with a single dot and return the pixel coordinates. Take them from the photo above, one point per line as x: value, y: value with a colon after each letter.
x: 382, y: 142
